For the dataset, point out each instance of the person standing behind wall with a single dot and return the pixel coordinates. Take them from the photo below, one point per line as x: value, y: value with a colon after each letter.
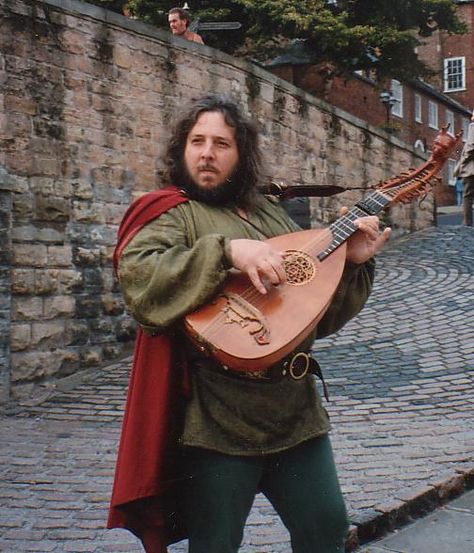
x: 178, y: 19
x: 465, y: 170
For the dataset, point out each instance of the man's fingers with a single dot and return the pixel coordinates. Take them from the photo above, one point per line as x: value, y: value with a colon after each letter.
x: 383, y: 238
x: 271, y: 272
x: 343, y: 211
x: 256, y: 281
x: 368, y: 225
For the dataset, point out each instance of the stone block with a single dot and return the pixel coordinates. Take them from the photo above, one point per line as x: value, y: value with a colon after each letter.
x: 31, y: 366
x: 20, y: 335
x: 23, y: 206
x: 123, y: 57
x: 46, y: 166
x: 27, y: 309
x: 83, y: 190
x: 86, y: 256
x: 20, y: 104
x: 38, y: 365
x: 41, y: 185
x: 46, y: 282
x: 60, y: 256
x: 73, y: 42
x: 85, y: 211
x: 48, y: 333
x: 52, y: 208
x: 59, y: 306
x: 30, y: 255
x: 70, y: 281
x: 23, y: 281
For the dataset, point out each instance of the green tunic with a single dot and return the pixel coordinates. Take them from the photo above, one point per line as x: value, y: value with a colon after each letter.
x: 178, y: 262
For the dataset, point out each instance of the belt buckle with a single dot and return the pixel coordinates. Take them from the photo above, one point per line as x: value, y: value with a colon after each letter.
x: 293, y: 365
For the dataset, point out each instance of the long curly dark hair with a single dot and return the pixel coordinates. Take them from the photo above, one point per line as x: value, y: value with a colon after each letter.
x: 241, y: 188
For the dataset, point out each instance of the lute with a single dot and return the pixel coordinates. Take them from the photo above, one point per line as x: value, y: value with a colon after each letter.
x: 245, y: 330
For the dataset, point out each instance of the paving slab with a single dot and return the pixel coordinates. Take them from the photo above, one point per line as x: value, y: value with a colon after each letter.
x: 448, y: 530
x: 401, y: 379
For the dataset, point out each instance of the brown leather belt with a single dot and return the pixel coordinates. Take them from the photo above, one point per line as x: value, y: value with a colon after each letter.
x: 296, y: 367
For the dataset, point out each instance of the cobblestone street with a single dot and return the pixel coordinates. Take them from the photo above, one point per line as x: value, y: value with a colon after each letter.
x: 402, y: 404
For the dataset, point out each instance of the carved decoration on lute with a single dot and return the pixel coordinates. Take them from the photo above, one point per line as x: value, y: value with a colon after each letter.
x: 247, y: 316
x: 299, y: 267
x: 404, y: 188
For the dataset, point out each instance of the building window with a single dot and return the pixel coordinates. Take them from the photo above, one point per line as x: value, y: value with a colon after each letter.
x: 397, y: 93
x: 450, y: 121
x: 432, y: 114
x: 454, y: 74
x: 418, y: 108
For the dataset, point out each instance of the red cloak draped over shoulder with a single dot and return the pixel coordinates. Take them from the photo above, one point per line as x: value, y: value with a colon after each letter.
x: 145, y: 474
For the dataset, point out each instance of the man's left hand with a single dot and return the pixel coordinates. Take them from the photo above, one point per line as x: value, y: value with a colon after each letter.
x: 367, y: 240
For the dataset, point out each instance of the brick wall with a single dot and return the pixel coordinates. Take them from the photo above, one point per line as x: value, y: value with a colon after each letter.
x: 440, y: 45
x: 88, y: 97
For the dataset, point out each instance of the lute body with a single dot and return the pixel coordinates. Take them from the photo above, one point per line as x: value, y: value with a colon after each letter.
x: 250, y: 331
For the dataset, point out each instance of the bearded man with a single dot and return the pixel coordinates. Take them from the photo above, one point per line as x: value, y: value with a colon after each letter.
x: 199, y: 441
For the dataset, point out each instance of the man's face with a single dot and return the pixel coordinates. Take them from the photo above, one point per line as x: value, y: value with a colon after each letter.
x: 177, y: 25
x: 211, y: 154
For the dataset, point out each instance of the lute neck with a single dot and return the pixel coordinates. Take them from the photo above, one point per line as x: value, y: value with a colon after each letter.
x: 344, y: 228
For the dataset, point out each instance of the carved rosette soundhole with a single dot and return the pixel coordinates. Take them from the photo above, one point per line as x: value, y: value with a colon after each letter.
x: 299, y: 267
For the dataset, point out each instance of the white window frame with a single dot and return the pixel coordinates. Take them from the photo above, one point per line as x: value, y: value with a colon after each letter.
x: 418, y: 105
x: 397, y: 93
x: 433, y: 114
x: 454, y: 74
x: 449, y: 118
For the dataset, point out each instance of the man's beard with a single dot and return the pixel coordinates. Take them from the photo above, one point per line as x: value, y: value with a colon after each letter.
x: 226, y: 193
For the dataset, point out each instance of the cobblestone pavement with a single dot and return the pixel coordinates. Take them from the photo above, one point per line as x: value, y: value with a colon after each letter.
x: 401, y: 380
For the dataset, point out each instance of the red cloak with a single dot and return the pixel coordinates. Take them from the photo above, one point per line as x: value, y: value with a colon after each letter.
x: 146, y: 475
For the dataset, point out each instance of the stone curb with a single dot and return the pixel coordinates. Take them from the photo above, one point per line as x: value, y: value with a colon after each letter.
x: 375, y: 523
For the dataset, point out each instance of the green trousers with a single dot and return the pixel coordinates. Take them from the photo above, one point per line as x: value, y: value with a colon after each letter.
x: 301, y: 483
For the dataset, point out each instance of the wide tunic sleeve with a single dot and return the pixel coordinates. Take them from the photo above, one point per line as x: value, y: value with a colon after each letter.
x: 163, y: 277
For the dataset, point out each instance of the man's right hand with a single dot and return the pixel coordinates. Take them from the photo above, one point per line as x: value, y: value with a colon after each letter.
x: 260, y: 261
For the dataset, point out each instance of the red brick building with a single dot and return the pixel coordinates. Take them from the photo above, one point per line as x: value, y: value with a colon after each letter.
x: 452, y: 57
x: 414, y: 111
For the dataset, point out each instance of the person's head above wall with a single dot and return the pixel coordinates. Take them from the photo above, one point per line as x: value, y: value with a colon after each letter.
x: 178, y: 20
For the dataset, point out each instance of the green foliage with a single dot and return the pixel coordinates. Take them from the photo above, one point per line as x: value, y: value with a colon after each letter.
x: 377, y: 35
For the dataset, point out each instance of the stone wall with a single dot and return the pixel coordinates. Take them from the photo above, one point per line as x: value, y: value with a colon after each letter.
x: 87, y: 99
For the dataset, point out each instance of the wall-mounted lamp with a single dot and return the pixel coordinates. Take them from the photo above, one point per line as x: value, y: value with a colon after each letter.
x: 388, y: 100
